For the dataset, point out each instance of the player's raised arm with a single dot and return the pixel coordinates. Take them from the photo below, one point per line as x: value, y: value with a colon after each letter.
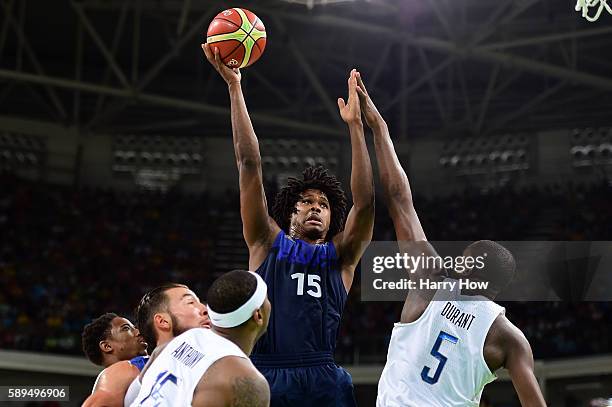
x: 392, y: 176
x: 360, y: 221
x: 258, y: 228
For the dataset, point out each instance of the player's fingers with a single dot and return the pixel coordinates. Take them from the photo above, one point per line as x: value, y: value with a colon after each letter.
x: 341, y: 103
x: 362, y: 95
x: 206, y: 49
x: 361, y: 84
x: 217, y: 57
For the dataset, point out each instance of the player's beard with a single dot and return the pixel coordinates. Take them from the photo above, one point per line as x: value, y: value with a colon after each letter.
x: 177, y: 328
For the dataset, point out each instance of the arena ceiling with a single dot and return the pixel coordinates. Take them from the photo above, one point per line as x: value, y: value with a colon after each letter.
x: 435, y: 67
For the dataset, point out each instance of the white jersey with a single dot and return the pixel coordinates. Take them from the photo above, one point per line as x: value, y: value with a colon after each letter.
x: 438, y: 359
x: 97, y: 380
x: 131, y: 393
x: 174, y: 374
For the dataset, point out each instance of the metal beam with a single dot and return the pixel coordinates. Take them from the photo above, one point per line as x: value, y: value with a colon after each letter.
x: 466, y: 97
x: 432, y: 85
x: 136, y: 40
x: 117, y: 36
x: 492, y: 25
x: 485, y: 102
x: 183, y: 18
x: 433, y: 44
x: 543, y: 39
x: 8, y: 9
x: 101, y: 46
x: 37, y: 66
x: 274, y: 89
x: 435, y: 5
x: 162, y: 100
x: 324, y: 97
x: 382, y: 62
x: 76, y: 107
x: 526, y: 108
x: 418, y: 83
x: 157, y: 68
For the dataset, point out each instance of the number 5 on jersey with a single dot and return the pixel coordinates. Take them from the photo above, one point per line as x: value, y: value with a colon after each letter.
x: 313, y: 284
x: 435, y: 352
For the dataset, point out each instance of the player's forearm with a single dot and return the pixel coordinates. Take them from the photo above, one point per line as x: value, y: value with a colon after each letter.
x: 362, y: 182
x: 246, y: 146
x: 392, y: 176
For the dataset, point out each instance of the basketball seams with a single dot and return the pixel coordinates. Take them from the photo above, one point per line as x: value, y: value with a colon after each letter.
x: 228, y: 20
x: 247, y: 36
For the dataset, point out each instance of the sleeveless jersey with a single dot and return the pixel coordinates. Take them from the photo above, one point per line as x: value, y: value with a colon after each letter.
x: 138, y: 361
x: 438, y: 359
x: 172, y: 377
x: 307, y: 295
x: 134, y: 388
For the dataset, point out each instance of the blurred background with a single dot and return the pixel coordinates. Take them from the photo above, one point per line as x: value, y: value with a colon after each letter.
x: 117, y: 169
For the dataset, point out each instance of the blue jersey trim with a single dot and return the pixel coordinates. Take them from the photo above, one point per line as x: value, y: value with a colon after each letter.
x: 139, y: 362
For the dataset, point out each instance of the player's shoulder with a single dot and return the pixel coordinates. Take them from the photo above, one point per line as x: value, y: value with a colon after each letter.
x: 507, y: 339
x: 120, y: 370
x: 234, y: 378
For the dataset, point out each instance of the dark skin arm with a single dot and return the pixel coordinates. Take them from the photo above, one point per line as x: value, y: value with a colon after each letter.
x: 392, y: 176
x: 259, y: 228
x: 397, y: 193
x: 357, y: 233
x: 506, y: 346
x: 112, y: 385
x: 232, y: 382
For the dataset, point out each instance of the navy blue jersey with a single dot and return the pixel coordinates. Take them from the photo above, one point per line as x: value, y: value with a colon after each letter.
x: 139, y: 361
x: 307, y: 295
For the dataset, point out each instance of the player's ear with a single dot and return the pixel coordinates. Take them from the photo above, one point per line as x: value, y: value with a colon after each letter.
x: 162, y: 321
x: 105, y: 346
x: 258, y: 316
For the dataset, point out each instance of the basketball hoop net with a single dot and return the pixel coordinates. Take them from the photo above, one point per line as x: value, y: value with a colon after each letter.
x: 585, y: 5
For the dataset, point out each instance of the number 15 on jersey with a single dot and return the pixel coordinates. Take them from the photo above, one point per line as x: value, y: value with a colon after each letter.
x: 314, y: 284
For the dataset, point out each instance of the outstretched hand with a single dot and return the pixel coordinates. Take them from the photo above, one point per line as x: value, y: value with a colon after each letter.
x: 350, y: 111
x: 368, y: 108
x: 229, y: 75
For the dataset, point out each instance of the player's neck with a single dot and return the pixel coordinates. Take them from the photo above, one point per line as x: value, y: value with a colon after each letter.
x: 110, y: 360
x: 243, y: 339
x: 311, y: 240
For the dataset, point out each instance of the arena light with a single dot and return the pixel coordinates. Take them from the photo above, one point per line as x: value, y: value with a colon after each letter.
x: 591, y: 147
x: 480, y: 156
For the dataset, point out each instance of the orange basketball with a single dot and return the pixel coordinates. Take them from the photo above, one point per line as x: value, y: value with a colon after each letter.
x: 240, y: 36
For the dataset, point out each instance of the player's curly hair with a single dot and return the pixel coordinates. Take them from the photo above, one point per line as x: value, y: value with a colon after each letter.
x: 312, y: 178
x: 96, y: 331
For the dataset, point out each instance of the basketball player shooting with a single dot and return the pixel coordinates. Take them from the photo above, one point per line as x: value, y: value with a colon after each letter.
x: 307, y: 254
x: 447, y: 346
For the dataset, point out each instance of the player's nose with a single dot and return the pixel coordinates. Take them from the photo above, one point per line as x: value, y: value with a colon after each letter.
x: 203, y: 309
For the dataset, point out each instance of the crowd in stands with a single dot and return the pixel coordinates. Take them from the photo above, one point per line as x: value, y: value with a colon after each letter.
x: 67, y: 255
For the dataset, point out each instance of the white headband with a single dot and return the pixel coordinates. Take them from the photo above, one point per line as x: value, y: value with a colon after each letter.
x: 245, y: 311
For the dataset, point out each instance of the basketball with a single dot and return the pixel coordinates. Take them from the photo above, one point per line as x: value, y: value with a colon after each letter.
x: 240, y: 36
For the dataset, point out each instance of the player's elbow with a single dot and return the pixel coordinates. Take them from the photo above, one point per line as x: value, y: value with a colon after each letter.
x: 398, y: 195
x: 248, y: 162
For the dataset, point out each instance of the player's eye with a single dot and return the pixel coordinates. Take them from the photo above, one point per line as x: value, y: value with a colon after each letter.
x: 324, y: 205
